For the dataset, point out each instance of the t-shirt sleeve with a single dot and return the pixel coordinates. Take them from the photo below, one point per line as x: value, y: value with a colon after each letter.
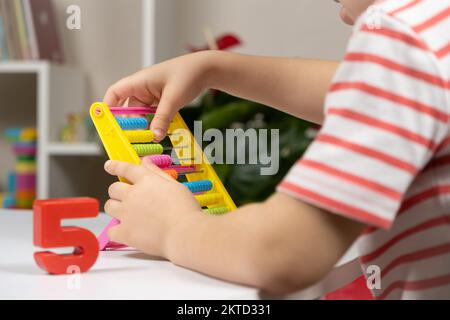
x: 386, y: 114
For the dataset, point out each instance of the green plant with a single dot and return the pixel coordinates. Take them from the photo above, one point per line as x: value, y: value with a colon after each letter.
x: 221, y: 111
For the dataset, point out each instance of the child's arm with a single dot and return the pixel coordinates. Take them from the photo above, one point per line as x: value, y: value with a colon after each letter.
x: 296, y: 86
x: 292, y: 85
x: 281, y: 245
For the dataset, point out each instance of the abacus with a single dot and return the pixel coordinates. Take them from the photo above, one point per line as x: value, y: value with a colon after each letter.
x: 125, y: 136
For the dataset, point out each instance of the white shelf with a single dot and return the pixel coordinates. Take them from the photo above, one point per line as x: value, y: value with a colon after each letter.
x: 23, y: 66
x: 74, y: 149
x: 59, y: 90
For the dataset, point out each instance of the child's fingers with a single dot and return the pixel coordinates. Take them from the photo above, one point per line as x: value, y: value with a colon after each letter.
x: 130, y: 87
x: 131, y: 172
x: 167, y: 108
x: 142, y: 98
x: 118, y: 92
x: 118, y: 190
x: 148, y: 164
x: 135, y: 102
x: 114, y: 209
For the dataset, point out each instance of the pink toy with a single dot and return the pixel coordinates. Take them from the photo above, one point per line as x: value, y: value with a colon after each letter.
x: 103, y: 239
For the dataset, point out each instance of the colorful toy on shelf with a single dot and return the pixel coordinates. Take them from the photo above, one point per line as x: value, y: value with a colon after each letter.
x: 69, y: 131
x: 79, y: 128
x: 48, y: 233
x: 22, y: 181
x: 128, y: 139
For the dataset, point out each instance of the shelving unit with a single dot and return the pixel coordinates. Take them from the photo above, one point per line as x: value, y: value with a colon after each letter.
x: 74, y: 149
x: 40, y: 94
x: 159, y: 30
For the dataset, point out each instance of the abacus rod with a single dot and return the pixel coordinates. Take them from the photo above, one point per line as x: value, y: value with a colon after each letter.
x: 182, y: 159
x: 190, y: 172
x: 132, y: 110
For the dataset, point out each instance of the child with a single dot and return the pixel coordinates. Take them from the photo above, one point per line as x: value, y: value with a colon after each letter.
x: 376, y: 173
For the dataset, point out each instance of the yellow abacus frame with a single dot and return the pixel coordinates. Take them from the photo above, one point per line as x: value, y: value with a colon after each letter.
x: 119, y: 148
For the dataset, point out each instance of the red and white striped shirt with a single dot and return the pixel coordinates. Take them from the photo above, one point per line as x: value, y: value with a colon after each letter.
x: 383, y: 154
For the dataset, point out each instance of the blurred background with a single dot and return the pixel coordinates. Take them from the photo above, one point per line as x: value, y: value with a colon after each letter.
x: 57, y: 57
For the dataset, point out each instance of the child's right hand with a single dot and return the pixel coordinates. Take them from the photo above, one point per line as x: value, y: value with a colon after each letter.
x: 171, y: 85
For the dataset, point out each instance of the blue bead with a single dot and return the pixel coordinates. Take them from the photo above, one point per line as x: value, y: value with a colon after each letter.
x: 132, y: 123
x: 199, y: 186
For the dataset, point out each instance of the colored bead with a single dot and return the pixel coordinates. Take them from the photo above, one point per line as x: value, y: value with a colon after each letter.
x: 148, y: 149
x: 28, y: 134
x: 25, y: 167
x: 172, y: 173
x: 26, y: 158
x: 25, y: 149
x: 216, y: 211
x: 140, y: 136
x: 132, y: 123
x: 24, y: 203
x: 199, y: 186
x: 26, y: 194
x: 9, y: 201
x: 162, y: 161
x: 25, y: 181
x: 13, y: 134
x: 206, y: 200
x: 12, y: 182
x: 21, y: 134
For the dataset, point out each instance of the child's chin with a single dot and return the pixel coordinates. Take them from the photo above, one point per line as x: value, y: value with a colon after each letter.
x: 346, y: 18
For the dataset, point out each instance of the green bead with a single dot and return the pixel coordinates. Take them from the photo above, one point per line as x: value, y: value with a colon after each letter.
x: 148, y: 149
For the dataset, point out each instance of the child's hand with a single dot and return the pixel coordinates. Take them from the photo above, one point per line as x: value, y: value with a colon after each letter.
x: 171, y: 85
x: 149, y: 209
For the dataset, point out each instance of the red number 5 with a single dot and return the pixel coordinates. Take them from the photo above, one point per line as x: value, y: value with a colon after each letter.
x: 48, y: 233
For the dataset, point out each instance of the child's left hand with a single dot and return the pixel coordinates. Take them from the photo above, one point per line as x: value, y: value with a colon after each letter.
x: 149, y: 208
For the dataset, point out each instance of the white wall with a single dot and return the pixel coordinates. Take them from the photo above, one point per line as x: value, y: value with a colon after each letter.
x: 305, y: 28
x: 108, y: 46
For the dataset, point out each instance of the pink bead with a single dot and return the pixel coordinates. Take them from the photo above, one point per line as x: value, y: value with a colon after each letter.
x: 162, y: 161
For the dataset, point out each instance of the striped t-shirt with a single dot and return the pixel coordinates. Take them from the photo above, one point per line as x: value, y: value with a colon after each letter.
x: 383, y: 154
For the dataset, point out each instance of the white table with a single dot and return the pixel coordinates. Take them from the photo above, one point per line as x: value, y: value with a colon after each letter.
x: 117, y: 275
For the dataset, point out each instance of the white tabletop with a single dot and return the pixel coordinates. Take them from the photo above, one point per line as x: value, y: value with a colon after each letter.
x: 116, y: 275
